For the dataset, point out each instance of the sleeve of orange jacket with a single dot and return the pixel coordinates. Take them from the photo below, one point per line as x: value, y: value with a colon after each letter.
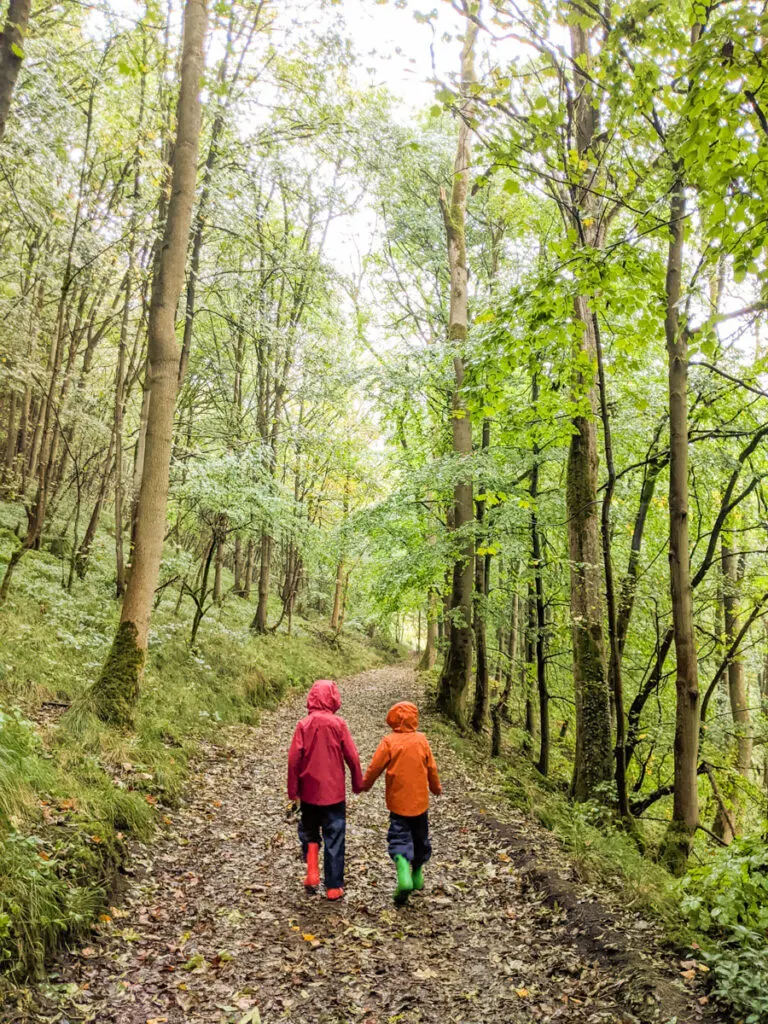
x: 352, y: 758
x: 379, y: 762
x: 432, y: 776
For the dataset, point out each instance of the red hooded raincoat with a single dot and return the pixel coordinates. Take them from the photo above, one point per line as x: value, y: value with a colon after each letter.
x: 321, y: 744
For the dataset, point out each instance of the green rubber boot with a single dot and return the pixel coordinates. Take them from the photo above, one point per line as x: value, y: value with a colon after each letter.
x: 404, y: 880
x: 418, y: 878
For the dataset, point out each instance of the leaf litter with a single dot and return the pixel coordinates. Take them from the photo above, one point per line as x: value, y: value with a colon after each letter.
x: 215, y: 926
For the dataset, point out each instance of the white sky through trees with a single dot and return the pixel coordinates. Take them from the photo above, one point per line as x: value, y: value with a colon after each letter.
x: 406, y: 55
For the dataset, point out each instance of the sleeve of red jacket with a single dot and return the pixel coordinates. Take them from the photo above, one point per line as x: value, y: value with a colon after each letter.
x: 351, y: 756
x: 379, y: 762
x: 432, y: 776
x: 295, y: 757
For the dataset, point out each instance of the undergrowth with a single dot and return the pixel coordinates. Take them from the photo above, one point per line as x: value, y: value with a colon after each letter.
x: 598, y: 851
x: 717, y: 913
x: 726, y: 900
x: 73, y: 791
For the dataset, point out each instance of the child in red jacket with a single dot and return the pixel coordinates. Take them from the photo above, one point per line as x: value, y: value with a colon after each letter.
x: 321, y: 744
x: 411, y: 776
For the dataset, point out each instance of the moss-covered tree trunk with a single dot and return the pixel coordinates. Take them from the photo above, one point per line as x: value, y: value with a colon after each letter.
x: 457, y: 667
x: 116, y: 691
x: 593, y: 761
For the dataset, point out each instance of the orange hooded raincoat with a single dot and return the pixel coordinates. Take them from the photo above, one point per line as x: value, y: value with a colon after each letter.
x: 410, y: 765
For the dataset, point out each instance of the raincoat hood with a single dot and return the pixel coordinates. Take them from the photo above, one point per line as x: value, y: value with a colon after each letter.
x: 324, y: 696
x: 403, y: 717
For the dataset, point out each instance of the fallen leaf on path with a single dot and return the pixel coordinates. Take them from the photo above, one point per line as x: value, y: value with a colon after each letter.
x: 252, y: 1017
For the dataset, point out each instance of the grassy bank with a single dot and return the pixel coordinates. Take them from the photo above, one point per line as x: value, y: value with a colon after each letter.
x: 72, y: 791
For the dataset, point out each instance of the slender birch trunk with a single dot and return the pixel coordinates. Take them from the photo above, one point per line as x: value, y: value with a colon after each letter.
x: 116, y: 692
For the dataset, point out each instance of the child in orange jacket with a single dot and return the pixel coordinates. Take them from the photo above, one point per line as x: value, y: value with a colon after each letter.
x: 411, y: 776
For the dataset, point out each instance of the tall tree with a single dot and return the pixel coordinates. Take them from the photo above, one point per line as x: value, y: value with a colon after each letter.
x: 592, y: 767
x: 116, y: 691
x: 457, y: 667
x: 685, y: 811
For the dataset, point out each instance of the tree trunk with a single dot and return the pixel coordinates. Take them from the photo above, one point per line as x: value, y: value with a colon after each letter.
x: 428, y: 658
x: 121, y: 369
x: 482, y: 674
x: 10, y: 444
x: 512, y: 646
x: 214, y: 545
x: 249, y: 563
x: 629, y: 583
x: 737, y: 692
x: 12, y: 54
x: 529, y: 671
x: 457, y: 667
x: 336, y: 613
x: 116, y: 692
x: 218, y: 593
x: 593, y: 761
x: 141, y: 449
x: 540, y: 626
x: 614, y: 663
x: 237, y: 566
x: 82, y: 559
x: 685, y: 810
x: 259, y: 623
x: 344, y: 594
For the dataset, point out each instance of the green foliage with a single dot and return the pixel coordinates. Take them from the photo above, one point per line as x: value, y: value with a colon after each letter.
x: 726, y: 899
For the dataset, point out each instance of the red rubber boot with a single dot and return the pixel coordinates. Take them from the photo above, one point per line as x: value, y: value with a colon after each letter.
x: 313, y: 866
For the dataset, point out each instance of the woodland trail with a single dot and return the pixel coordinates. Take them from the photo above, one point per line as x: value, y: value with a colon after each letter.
x: 216, y: 927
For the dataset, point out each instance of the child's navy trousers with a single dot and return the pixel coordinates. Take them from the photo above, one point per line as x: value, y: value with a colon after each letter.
x: 410, y: 838
x: 331, y: 820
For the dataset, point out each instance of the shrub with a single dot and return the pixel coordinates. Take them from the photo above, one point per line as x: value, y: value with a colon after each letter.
x: 726, y: 899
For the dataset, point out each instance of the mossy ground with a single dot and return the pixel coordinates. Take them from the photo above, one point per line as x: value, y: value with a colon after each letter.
x: 74, y: 790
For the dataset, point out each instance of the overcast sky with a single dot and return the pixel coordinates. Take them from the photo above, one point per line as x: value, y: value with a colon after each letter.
x: 397, y: 49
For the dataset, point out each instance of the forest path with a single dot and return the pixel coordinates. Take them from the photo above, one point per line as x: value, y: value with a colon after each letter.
x: 216, y: 927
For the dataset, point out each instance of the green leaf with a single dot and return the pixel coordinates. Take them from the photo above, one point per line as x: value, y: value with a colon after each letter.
x: 17, y: 51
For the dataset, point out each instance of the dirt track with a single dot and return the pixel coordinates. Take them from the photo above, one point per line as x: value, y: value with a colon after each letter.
x: 216, y: 927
